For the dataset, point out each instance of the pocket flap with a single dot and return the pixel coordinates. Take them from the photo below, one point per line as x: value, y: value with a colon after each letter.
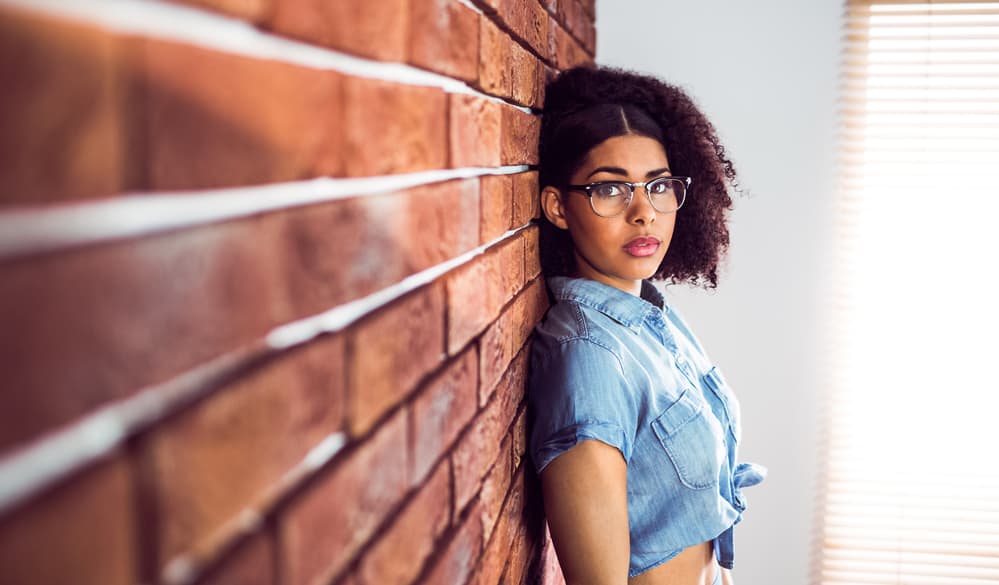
x: 679, y: 413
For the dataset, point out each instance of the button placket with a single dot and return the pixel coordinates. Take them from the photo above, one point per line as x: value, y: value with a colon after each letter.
x: 657, y: 327
x: 685, y: 367
x: 716, y: 383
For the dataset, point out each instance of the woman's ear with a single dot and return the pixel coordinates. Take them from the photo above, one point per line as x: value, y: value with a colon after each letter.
x: 551, y: 205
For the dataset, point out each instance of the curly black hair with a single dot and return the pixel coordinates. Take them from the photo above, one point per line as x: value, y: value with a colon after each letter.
x: 588, y: 104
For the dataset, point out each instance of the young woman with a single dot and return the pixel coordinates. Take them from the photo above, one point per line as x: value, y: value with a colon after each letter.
x: 634, y: 429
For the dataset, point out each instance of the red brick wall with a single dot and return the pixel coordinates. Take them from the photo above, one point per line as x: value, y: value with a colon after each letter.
x: 268, y: 273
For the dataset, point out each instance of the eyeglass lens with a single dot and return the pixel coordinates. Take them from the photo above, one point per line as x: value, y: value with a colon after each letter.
x: 611, y: 198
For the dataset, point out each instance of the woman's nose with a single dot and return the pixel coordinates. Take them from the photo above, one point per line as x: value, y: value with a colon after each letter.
x: 641, y: 212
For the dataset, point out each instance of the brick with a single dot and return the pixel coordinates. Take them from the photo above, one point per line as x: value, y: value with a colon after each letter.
x: 494, y: 59
x: 501, y: 544
x: 504, y: 339
x: 564, y: 51
x: 553, y: 43
x: 537, y: 98
x: 397, y: 556
x: 581, y: 57
x: 105, y: 313
x: 459, y: 558
x: 550, y: 5
x: 551, y: 570
x: 494, y: 490
x: 439, y: 223
x: 520, y: 137
x: 354, y: 24
x: 572, y: 16
x: 564, y: 13
x: 445, y: 38
x: 477, y: 291
x: 532, y: 255
x: 578, y: 22
x: 218, y: 119
x: 251, y: 10
x: 441, y: 411
x: 589, y: 38
x: 524, y: 75
x: 390, y: 352
x: 526, y: 197
x: 496, y: 200
x: 545, y: 74
x: 513, y: 383
x: 474, y: 131
x: 222, y: 456
x: 530, y: 528
x: 537, y: 303
x: 512, y: 269
x: 520, y: 557
x: 479, y: 447
x: 393, y: 128
x: 305, y: 20
x: 490, y: 7
x: 513, y: 14
x: 387, y: 237
x: 325, y: 527
x: 528, y: 21
x: 535, y: 25
x: 591, y: 8
x: 83, y: 531
x: 63, y: 82
x: 496, y: 350
x: 513, y: 510
x: 347, y: 25
x: 489, y: 570
x: 519, y: 437
x: 251, y: 563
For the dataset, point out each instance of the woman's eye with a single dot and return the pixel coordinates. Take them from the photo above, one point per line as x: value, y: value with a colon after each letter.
x: 608, y: 190
x: 659, y: 187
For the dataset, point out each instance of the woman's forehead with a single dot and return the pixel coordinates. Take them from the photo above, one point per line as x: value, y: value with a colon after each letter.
x: 633, y: 153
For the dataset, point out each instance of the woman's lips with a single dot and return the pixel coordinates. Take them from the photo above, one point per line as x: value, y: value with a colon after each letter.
x: 643, y: 246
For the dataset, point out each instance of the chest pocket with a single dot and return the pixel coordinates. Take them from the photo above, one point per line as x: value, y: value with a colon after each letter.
x: 693, y: 439
x: 716, y: 383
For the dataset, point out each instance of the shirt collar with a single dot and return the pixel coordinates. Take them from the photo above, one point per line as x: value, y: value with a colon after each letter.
x: 623, y: 307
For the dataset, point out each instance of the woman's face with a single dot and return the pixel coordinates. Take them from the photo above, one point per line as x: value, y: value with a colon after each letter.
x: 623, y: 250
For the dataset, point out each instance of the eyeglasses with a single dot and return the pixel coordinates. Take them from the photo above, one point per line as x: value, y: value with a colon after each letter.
x: 611, y: 198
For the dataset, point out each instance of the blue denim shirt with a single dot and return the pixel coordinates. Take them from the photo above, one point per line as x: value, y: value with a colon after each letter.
x: 627, y: 371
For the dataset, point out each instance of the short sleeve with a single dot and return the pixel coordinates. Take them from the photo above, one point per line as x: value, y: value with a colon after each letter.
x: 578, y: 391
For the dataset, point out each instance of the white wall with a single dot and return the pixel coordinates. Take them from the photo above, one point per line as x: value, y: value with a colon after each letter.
x: 765, y: 73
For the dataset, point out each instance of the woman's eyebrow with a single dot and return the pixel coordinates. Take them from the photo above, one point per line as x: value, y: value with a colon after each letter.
x: 624, y: 173
x: 612, y: 170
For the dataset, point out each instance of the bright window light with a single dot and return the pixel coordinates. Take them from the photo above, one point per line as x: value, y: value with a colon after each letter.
x: 911, y: 465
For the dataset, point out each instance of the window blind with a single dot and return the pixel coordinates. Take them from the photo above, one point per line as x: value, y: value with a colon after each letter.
x: 911, y: 441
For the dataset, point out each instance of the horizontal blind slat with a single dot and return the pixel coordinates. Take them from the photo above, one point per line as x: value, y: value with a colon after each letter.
x: 919, y: 118
x: 889, y: 5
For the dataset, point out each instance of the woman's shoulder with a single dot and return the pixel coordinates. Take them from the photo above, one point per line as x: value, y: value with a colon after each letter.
x: 569, y: 324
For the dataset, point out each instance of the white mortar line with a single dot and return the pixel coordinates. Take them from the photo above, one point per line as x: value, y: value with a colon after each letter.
x: 188, y: 567
x: 471, y: 5
x: 36, y: 229
x: 56, y: 455
x: 175, y: 22
x: 44, y: 462
x: 339, y: 318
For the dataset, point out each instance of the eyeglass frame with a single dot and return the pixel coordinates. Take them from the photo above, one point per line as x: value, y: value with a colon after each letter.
x: 631, y: 192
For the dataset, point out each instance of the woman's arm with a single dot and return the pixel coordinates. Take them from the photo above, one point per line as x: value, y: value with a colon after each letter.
x: 585, y: 492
